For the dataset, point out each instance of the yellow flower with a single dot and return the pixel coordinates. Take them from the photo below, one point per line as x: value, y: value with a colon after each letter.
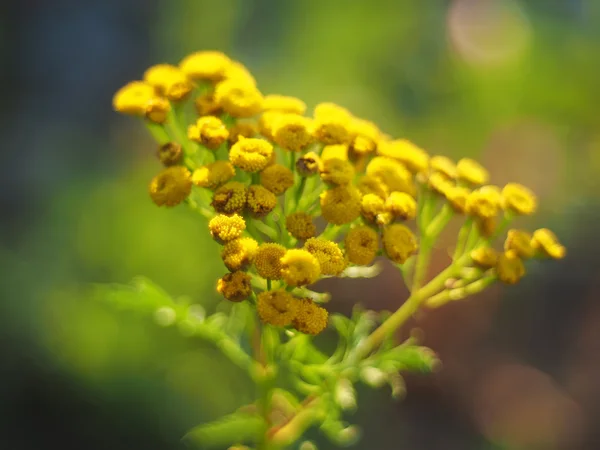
x: 308, y: 164
x: 402, y: 205
x: 268, y: 260
x: 170, y: 154
x: 213, y: 175
x: 438, y: 182
x: 284, y: 104
x: 518, y: 199
x: 240, y: 73
x: 471, y: 171
x: 277, y: 308
x: 341, y: 204
x: 169, y: 81
x: 546, y: 241
x: 362, y: 244
x: 310, y: 318
x: 251, y: 155
x: 457, y: 198
x: 133, y: 98
x: 267, y: 121
x: 207, y: 105
x: 444, y: 165
x: 332, y: 123
x: 365, y: 136
x: 261, y: 201
x: 368, y: 184
x: 299, y: 268
x: 205, y: 65
x: 277, y: 178
x: 392, y: 173
x: 520, y: 242
x: 482, y: 204
x: 509, y: 267
x: 209, y: 131
x: 242, y: 129
x: 372, y: 208
x: 336, y: 151
x: 486, y: 225
x: 485, y: 257
x: 171, y: 186
x: 413, y: 157
x: 239, y: 253
x: 300, y: 225
x: 230, y: 198
x: 337, y: 171
x: 399, y: 242
x: 238, y: 98
x: 292, y: 132
x: 235, y: 286
x: 328, y: 253
x: 226, y: 228
x: 157, y: 110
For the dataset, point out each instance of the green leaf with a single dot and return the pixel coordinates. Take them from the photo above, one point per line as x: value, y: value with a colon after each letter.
x: 409, y: 357
x: 233, y: 429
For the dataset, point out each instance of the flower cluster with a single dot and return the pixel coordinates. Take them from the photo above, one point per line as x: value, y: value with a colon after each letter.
x: 294, y: 197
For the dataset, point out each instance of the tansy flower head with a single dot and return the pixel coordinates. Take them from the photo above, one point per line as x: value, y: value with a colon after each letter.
x: 170, y: 154
x: 209, y: 131
x: 240, y: 73
x: 328, y: 253
x: 284, y: 104
x: 365, y: 136
x: 299, y: 268
x: 310, y: 317
x: 482, y: 204
x: 239, y: 253
x: 392, y: 173
x: 133, y: 98
x: 292, y: 132
x: 267, y: 121
x: 213, y: 175
x: 171, y: 186
x: 485, y: 257
x: 372, y: 208
x: 277, y: 178
x: 341, y: 204
x: 362, y: 244
x: 260, y: 200
x: 440, y: 183
x: 251, y: 155
x: 509, y: 267
x: 332, y: 124
x: 337, y: 151
x: 546, y: 241
x: 308, y: 164
x: 157, y: 110
x: 277, y: 308
x: 268, y: 260
x: 242, y: 129
x: 230, y: 198
x: 520, y: 242
x: 169, y: 81
x: 368, y: 184
x: 413, y: 157
x: 401, y: 205
x: 337, y: 171
x: 518, y: 199
x: 300, y: 225
x: 226, y: 228
x: 457, y: 198
x: 206, y: 105
x: 205, y: 65
x: 444, y: 165
x: 235, y: 286
x: 471, y: 171
x: 486, y: 225
x: 238, y: 98
x: 399, y: 242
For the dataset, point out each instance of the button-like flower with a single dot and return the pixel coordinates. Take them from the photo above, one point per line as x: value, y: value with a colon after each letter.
x: 332, y: 124
x: 277, y: 308
x: 283, y: 103
x: 243, y: 130
x: 444, y: 165
x: 170, y: 154
x: 337, y: 171
x: 392, y: 173
x: 340, y: 205
x: 373, y: 209
x: 457, y: 198
x: 471, y: 171
x: 268, y: 260
x: 213, y: 175
x: 546, y: 241
x: 399, y: 242
x: 205, y: 65
x: 414, y: 158
x: 518, y: 199
x: 368, y: 184
x: 310, y: 317
x: 133, y: 98
x: 239, y: 253
x: 251, y: 155
x: 169, y: 81
x: 209, y: 131
x: 260, y: 200
x: 300, y: 225
x: 299, y: 268
x: 485, y: 257
x: 277, y: 178
x: 361, y: 244
x: 230, y: 198
x: 171, y: 186
x: 235, y: 286
x: 520, y: 242
x: 401, y: 205
x: 292, y: 132
x: 308, y: 164
x: 328, y: 253
x: 226, y: 228
x: 238, y: 98
x: 509, y: 267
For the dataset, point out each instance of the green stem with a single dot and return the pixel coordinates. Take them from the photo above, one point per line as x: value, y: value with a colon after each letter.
x: 158, y: 132
x: 463, y: 235
x: 268, y: 284
x: 459, y: 293
x: 421, y: 264
x: 437, y: 225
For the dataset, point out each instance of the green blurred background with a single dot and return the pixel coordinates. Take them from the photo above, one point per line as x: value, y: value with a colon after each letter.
x: 511, y: 82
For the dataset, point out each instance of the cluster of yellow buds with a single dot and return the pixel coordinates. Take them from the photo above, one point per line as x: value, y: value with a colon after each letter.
x: 293, y: 197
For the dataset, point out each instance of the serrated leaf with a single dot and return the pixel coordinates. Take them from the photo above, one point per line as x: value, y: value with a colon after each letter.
x: 235, y: 428
x: 410, y: 357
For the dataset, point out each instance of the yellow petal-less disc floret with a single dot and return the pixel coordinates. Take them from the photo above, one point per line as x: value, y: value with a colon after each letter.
x: 292, y: 132
x: 277, y: 308
x: 213, y: 175
x: 157, y: 110
x: 171, y: 186
x: 444, y: 165
x: 372, y: 208
x: 277, y: 178
x: 520, y: 242
x: 361, y: 244
x: 457, y: 198
x: 399, y: 242
x: 440, y: 183
x: 240, y: 73
x: 518, y: 199
x: 509, y: 267
x: 226, y: 228
x: 169, y: 81
x: 300, y: 225
x: 170, y: 154
x: 471, y: 171
x: 308, y: 164
x: 392, y: 173
x: 133, y: 98
x: 230, y: 198
x: 484, y: 257
x: 368, y: 184
x: 209, y: 131
x: 242, y: 129
x: 205, y: 65
x: 310, y: 317
x: 260, y: 200
x: 238, y: 98
x: 332, y: 124
x: 284, y: 104
x: 337, y: 171
x: 267, y: 121
x: 239, y: 253
x: 206, y: 105
x: 235, y: 286
x: 251, y: 155
x: 299, y: 268
x: 341, y: 204
x: 482, y: 204
x: 328, y: 253
x: 414, y: 158
x: 546, y: 242
x: 268, y: 260
x: 401, y: 205
x: 365, y: 136
x: 335, y: 151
